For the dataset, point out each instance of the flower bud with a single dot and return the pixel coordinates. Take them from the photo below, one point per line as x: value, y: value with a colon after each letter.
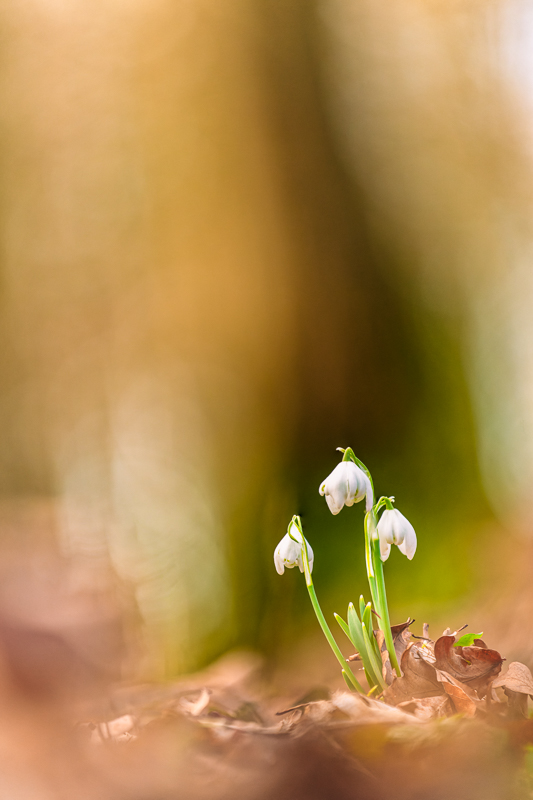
x: 346, y: 485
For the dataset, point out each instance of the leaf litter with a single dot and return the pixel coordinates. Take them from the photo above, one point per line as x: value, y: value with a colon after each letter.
x: 453, y: 725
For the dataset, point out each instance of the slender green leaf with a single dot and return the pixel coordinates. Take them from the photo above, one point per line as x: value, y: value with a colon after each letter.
x: 356, y: 635
x: 370, y: 680
x: 376, y: 666
x: 354, y: 625
x: 345, y: 628
x: 351, y: 681
x: 369, y: 622
x: 349, y: 684
x: 362, y: 605
x: 367, y: 617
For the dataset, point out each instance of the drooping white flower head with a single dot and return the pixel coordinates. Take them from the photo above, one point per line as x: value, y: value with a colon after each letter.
x: 394, y: 528
x: 288, y: 553
x: 346, y: 485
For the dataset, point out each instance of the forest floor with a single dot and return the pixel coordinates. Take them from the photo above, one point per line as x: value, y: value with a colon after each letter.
x: 455, y: 725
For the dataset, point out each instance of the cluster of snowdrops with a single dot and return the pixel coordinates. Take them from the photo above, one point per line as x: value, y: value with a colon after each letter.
x: 349, y: 483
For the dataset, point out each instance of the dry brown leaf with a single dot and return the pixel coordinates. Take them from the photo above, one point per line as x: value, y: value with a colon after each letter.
x: 386, y: 667
x: 517, y: 707
x: 518, y: 678
x: 347, y: 708
x: 426, y: 651
x: 401, y: 636
x: 427, y: 708
x: 473, y: 665
x: 354, y: 657
x: 418, y: 679
x: 365, y: 710
x: 517, y: 684
x: 449, y: 632
x: 464, y: 700
x: 446, y: 679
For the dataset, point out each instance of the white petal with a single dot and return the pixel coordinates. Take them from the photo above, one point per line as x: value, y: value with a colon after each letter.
x: 310, y: 556
x: 408, y: 546
x: 293, y: 554
x: 346, y: 485
x: 369, y: 495
x: 354, y: 477
x: 357, y: 481
x: 337, y: 484
x: 385, y: 527
x: 359, y: 486
x: 332, y: 505
x: 278, y: 561
x: 288, y: 553
x: 385, y: 549
x: 398, y: 522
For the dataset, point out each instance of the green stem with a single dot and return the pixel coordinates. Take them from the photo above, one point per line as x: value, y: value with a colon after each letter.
x: 332, y: 643
x: 346, y: 671
x: 374, y: 564
x: 383, y: 609
x: 349, y: 455
x: 369, y: 561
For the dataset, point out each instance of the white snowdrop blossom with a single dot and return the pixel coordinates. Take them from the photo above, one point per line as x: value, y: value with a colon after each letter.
x: 288, y: 553
x: 394, y: 528
x: 346, y: 485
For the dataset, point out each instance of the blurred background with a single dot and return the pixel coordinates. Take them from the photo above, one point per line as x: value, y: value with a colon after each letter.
x: 235, y: 236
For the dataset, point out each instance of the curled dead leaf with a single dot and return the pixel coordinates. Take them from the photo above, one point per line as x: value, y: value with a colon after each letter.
x: 364, y: 710
x: 386, y: 667
x: 418, y: 679
x: 464, y: 700
x: 517, y: 684
x: 345, y: 709
x: 518, y: 678
x: 401, y: 636
x: 476, y: 666
x: 427, y: 708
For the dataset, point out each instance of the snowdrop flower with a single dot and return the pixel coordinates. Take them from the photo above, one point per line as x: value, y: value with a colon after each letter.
x: 394, y: 528
x: 288, y: 553
x: 347, y: 484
